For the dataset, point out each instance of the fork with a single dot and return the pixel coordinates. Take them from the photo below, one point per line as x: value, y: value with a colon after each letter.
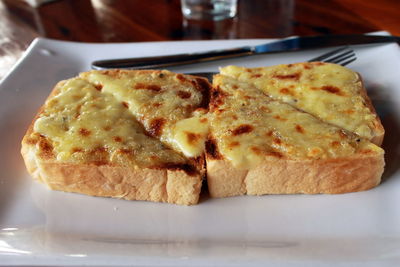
x: 342, y: 56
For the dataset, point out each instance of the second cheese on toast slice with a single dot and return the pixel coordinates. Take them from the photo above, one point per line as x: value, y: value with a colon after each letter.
x: 333, y: 93
x: 259, y: 145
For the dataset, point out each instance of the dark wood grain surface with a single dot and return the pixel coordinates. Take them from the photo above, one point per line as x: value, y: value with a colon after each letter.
x: 159, y: 20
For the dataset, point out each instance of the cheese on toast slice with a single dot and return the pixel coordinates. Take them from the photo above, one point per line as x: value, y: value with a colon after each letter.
x: 90, y: 138
x: 333, y: 93
x: 260, y: 145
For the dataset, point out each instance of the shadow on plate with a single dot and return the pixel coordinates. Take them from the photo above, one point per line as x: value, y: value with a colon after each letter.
x: 388, y: 112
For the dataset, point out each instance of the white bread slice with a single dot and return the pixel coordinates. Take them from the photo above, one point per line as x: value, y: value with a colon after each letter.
x: 86, y: 140
x: 259, y: 145
x: 333, y: 93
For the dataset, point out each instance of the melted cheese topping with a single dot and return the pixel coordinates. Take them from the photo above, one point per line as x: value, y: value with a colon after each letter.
x: 87, y: 125
x: 190, y: 134
x: 141, y: 117
x: 249, y: 126
x: 328, y: 91
x: 160, y: 100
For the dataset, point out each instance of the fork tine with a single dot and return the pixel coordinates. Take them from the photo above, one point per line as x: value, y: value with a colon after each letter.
x: 326, y: 55
x: 348, y: 61
x: 343, y: 56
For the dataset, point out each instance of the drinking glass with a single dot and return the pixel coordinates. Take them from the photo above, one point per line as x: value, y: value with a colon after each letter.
x: 209, y: 9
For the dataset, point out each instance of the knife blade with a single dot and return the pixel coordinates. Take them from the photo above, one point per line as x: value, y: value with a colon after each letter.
x: 284, y: 45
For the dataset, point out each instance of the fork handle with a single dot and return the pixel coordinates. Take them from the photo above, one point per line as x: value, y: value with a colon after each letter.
x: 172, y: 60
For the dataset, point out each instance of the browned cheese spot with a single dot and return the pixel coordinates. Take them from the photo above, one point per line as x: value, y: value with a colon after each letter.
x: 242, y: 129
x: 293, y: 76
x: 256, y: 150
x: 349, y: 111
x: 98, y: 87
x: 332, y: 89
x: 315, y: 151
x: 192, y: 138
x: 307, y: 66
x: 265, y: 109
x: 286, y: 91
x: 156, y: 126
x: 299, y: 129
x: 115, y: 73
x: 275, y: 154
x: 125, y: 104
x: 157, y: 104
x: 277, y: 141
x: 117, y: 139
x: 203, y: 120
x: 248, y: 97
x: 258, y: 75
x: 99, y: 149
x: 279, y: 118
x: 335, y: 144
x: 77, y: 149
x: 234, y: 117
x: 233, y: 144
x: 269, y: 133
x: 217, y: 98
x: 181, y: 78
x: 235, y: 86
x: 142, y: 72
x: 366, y: 151
x: 107, y: 128
x: 31, y: 141
x: 212, y: 149
x: 126, y: 151
x: 151, y: 87
x: 184, y: 94
x: 84, y: 132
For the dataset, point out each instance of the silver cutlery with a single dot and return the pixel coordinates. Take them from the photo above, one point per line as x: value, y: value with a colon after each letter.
x: 342, y: 56
x: 284, y: 45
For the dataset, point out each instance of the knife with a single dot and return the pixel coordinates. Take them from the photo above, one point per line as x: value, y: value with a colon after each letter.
x: 284, y: 45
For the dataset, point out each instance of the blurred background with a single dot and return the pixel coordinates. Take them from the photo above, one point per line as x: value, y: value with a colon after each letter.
x: 160, y: 20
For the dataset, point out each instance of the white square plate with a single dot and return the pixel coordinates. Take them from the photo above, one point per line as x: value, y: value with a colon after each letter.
x: 42, y: 227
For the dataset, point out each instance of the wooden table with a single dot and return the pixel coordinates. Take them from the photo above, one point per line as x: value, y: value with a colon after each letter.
x: 158, y: 20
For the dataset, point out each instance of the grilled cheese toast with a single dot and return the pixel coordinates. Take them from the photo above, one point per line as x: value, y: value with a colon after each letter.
x: 96, y: 124
x: 153, y: 135
x: 251, y: 131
